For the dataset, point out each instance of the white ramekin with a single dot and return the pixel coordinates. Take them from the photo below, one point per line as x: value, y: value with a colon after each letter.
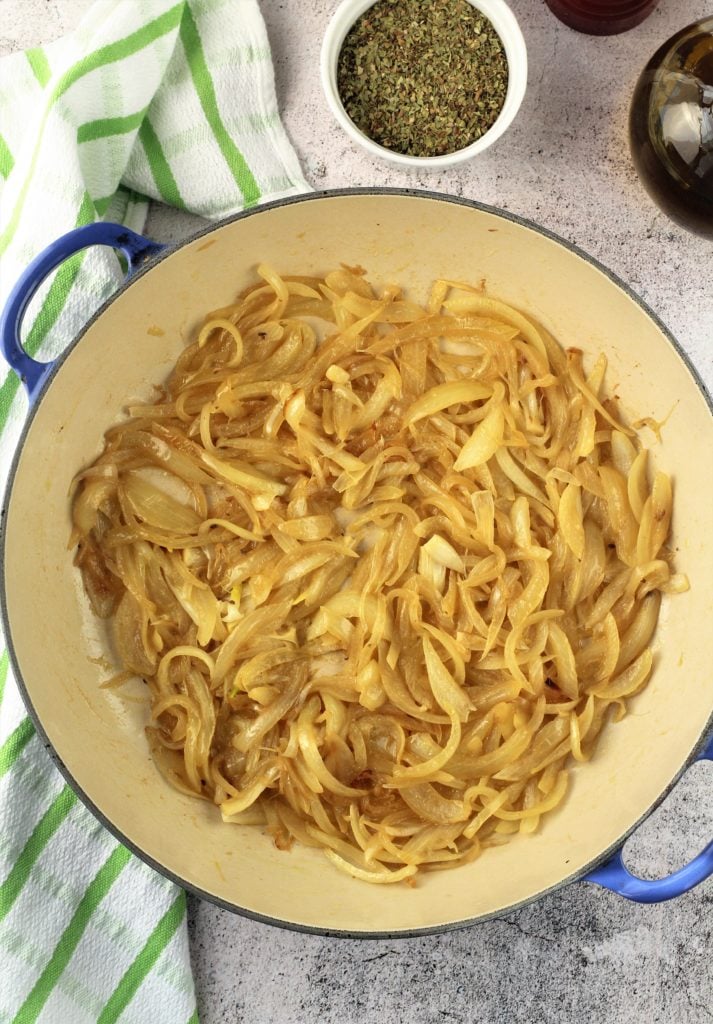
x: 504, y: 23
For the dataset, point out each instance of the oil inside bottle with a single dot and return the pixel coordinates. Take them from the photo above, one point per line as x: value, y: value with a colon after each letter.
x: 671, y: 127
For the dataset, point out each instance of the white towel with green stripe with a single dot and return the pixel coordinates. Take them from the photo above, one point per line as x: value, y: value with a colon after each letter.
x: 148, y: 99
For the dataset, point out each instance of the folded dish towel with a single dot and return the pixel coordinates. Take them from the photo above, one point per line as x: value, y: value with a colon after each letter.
x: 167, y: 101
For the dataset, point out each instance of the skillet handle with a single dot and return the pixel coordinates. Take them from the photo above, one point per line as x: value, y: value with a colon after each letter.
x: 613, y: 875
x: 137, y: 250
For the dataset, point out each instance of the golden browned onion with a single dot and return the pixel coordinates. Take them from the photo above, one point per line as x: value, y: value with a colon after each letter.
x: 384, y: 583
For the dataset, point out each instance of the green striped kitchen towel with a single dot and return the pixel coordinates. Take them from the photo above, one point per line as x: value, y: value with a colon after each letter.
x: 148, y: 99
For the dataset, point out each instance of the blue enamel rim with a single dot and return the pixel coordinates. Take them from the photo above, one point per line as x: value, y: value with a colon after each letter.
x: 607, y: 868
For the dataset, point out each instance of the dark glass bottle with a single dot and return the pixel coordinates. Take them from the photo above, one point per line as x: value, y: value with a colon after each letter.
x: 671, y: 127
x: 602, y: 17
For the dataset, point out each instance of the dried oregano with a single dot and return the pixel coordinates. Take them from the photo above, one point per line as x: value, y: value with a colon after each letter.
x: 423, y: 77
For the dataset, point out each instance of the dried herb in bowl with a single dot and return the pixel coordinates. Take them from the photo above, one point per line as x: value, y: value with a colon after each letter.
x: 423, y: 77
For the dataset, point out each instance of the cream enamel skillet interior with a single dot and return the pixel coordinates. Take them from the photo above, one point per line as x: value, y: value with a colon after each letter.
x: 60, y: 652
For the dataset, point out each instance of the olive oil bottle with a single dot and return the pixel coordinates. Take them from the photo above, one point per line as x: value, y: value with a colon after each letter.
x: 671, y: 127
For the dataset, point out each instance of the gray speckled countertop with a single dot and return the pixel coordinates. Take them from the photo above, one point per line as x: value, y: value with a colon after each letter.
x: 581, y: 954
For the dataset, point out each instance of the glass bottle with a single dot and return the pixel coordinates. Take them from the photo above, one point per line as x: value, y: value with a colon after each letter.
x: 601, y: 17
x: 671, y: 127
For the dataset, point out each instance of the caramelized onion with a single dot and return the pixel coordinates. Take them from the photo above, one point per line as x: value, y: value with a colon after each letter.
x: 387, y: 573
